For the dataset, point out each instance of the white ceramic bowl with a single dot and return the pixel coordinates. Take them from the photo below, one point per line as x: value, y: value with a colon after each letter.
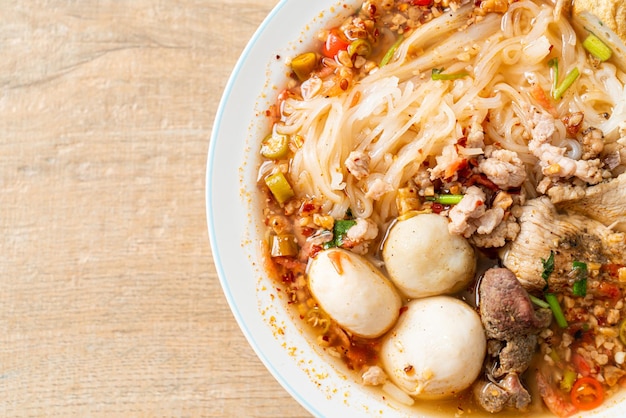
x: 322, y: 385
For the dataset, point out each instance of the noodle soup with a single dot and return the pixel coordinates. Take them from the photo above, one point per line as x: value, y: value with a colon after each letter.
x: 444, y: 206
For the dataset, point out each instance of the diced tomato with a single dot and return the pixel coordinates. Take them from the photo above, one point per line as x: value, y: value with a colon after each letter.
x: 587, y: 393
x: 421, y: 2
x: 609, y: 290
x: 334, y: 43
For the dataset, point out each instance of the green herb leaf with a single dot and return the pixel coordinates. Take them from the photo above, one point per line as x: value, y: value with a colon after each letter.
x: 340, y: 230
x: 548, y: 267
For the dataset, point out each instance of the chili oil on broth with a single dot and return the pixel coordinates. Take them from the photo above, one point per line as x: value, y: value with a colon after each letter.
x: 444, y: 407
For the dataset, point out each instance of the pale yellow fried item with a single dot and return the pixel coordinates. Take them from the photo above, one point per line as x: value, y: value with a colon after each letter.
x: 612, y: 13
x: 607, y: 20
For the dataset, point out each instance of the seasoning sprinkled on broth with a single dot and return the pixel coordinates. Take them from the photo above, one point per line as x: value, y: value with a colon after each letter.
x: 454, y: 170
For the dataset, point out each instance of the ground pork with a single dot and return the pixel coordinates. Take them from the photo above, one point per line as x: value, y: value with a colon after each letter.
x: 471, y: 214
x: 552, y: 159
x: 374, y: 376
x: 377, y: 189
x: 363, y: 230
x: 504, y: 168
x: 358, y: 163
x: 505, y: 231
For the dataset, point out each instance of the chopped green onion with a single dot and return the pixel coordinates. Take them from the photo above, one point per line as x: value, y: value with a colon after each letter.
x: 556, y: 309
x: 436, y: 74
x: 597, y: 48
x: 554, y: 65
x: 446, y: 199
x: 580, y: 288
x: 340, y: 230
x: 566, y: 83
x: 279, y: 186
x: 580, y: 285
x: 391, y: 51
x: 539, y: 302
x: 580, y: 266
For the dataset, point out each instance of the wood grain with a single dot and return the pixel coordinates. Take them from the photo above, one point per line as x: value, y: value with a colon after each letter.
x: 109, y: 300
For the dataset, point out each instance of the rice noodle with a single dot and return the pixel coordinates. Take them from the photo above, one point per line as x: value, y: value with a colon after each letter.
x: 402, y: 118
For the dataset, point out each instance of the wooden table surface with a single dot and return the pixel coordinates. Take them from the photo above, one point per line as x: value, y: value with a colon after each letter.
x: 109, y: 300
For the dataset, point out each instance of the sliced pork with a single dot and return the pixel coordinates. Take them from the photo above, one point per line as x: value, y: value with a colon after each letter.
x: 572, y: 237
x: 604, y: 202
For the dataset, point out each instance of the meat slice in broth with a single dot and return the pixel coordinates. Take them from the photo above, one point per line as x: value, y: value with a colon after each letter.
x: 572, y: 237
x: 604, y: 202
x: 511, y: 323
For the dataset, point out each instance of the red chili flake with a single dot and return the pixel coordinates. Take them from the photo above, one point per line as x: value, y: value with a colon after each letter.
x: 408, y: 369
x: 314, y: 250
x: 482, y: 180
x: 403, y: 309
x: 307, y: 231
x: 344, y: 84
x: 437, y: 207
x: 288, y: 277
x: 307, y: 208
